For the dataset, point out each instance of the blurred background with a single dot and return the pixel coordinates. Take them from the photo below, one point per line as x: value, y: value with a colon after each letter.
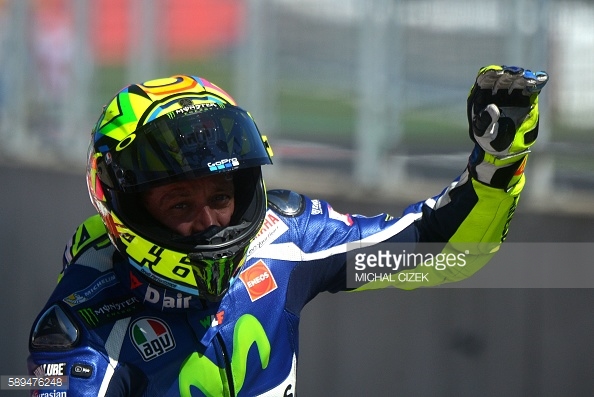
x: 364, y: 102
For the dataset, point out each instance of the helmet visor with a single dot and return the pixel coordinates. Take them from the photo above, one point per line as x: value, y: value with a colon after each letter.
x: 193, y: 142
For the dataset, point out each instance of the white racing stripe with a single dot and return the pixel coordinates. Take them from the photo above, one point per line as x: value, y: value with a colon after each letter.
x: 113, y: 346
x: 291, y: 252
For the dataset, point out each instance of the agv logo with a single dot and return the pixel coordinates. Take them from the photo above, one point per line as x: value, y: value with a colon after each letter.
x: 151, y: 337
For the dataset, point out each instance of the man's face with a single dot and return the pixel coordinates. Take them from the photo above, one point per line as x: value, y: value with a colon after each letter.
x: 189, y: 207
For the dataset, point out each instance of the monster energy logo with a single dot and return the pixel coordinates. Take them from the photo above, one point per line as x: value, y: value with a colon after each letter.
x: 198, y: 108
x: 89, y: 316
x: 110, y: 310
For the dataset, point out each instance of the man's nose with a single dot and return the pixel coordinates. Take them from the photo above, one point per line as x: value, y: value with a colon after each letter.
x: 205, y: 218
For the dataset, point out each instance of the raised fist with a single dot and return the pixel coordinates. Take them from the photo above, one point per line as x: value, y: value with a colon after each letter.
x: 503, y: 122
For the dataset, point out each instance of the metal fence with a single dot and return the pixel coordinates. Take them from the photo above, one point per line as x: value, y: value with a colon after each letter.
x: 376, y: 88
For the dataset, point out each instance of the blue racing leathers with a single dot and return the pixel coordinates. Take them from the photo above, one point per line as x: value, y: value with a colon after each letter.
x: 114, y: 333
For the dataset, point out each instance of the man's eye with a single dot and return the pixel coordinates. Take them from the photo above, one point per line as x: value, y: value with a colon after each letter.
x: 179, y: 206
x: 221, y: 199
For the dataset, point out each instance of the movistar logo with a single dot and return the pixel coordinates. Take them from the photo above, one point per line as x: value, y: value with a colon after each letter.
x: 199, y: 372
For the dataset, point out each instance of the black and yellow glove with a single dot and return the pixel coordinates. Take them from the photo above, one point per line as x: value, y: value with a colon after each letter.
x: 503, y: 122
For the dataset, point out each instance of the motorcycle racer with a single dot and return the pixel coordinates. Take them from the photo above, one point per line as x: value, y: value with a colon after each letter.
x: 191, y: 278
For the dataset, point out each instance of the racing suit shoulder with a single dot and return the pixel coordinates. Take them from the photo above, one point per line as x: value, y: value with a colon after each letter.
x: 298, y: 227
x: 60, y: 342
x: 87, y: 268
x: 74, y: 334
x: 286, y: 202
x: 63, y: 345
x: 313, y: 239
x: 54, y: 330
x: 89, y: 246
x: 87, y: 275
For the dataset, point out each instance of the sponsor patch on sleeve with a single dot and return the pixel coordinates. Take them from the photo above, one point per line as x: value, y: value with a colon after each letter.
x: 258, y: 280
x: 272, y: 228
x: 344, y: 218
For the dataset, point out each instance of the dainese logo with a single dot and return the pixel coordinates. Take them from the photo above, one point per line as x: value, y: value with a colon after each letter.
x: 258, y: 280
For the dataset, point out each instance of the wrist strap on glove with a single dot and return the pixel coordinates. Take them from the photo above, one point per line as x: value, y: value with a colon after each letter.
x: 495, y: 172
